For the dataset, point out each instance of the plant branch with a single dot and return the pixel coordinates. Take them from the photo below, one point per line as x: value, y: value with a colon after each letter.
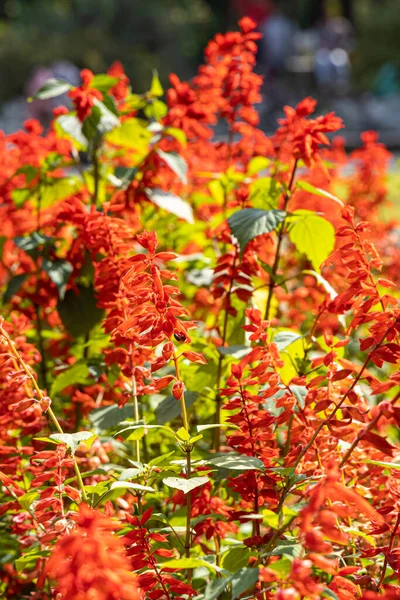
x: 275, y: 265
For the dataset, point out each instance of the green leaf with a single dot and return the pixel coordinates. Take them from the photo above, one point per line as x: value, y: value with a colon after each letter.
x: 176, y: 133
x: 26, y: 500
x: 236, y: 351
x: 287, y: 548
x: 313, y: 236
x: 52, y: 88
x: 214, y: 426
x: 186, y: 563
x: 214, y: 589
x: 170, y: 408
x: 249, y: 223
x: 72, y: 440
x: 257, y: 164
x: 242, y: 580
x: 176, y: 163
x: 283, y: 339
x: 14, y: 286
x: 31, y: 243
x: 29, y: 560
x: 131, y: 473
x: 159, y: 460
x: 237, y: 462
x: 236, y: 558
x: 57, y: 189
x: 185, y: 485
x: 156, y: 109
x: 156, y: 88
x: 79, y: 312
x: 182, y: 434
x: 327, y: 593
x: 72, y: 127
x: 132, y: 134
x: 103, y: 82
x: 308, y: 187
x: 386, y: 465
x: 299, y: 392
x: 171, y: 203
x: 129, y: 485
x: 59, y: 272
x: 270, y: 518
x: 108, y: 417
x: 265, y: 192
x: 78, y: 374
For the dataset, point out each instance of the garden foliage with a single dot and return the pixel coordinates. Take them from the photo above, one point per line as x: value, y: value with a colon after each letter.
x: 199, y: 348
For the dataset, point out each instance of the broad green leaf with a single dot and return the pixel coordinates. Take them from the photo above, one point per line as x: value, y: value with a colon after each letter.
x: 171, y: 203
x: 237, y: 462
x: 176, y: 163
x: 287, y: 548
x: 72, y: 440
x: 243, y: 580
x: 52, y: 88
x: 159, y: 460
x: 78, y: 374
x: 79, y: 312
x: 270, y: 518
x: 155, y: 109
x: 283, y: 339
x: 236, y: 558
x: 57, y: 189
x: 308, y: 187
x: 176, y: 133
x: 313, y: 236
x: 14, y: 286
x: 182, y: 434
x: 129, y: 485
x: 108, y: 417
x: 132, y: 134
x: 265, y: 192
x: 29, y: 560
x: 249, y: 223
x: 26, y: 500
x: 103, y: 82
x: 299, y: 392
x: 131, y: 473
x: 237, y: 351
x: 185, y: 485
x: 59, y: 272
x: 71, y: 127
x: 214, y: 589
x: 282, y: 566
x: 170, y: 408
x: 257, y: 164
x: 186, y: 563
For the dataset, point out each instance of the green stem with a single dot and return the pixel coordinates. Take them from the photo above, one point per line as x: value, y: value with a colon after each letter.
x: 43, y: 400
x: 275, y: 265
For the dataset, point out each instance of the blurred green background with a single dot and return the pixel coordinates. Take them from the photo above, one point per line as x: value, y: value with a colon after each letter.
x: 168, y: 35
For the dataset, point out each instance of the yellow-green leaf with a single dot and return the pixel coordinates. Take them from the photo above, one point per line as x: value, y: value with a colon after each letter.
x: 313, y: 236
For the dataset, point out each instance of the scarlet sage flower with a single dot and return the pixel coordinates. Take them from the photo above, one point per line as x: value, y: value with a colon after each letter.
x: 90, y: 562
x: 84, y: 96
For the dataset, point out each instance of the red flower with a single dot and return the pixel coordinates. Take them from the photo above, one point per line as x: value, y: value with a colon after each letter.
x: 91, y: 563
x: 121, y: 89
x: 84, y: 97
